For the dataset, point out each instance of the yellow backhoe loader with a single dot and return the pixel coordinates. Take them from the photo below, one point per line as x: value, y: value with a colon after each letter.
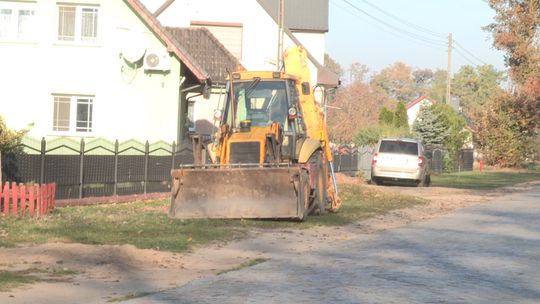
x: 271, y: 156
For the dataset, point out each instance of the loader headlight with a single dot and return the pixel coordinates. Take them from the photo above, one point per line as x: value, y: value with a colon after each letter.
x: 292, y: 113
x: 245, y: 125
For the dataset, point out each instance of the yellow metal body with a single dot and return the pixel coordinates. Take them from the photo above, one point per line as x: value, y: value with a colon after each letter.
x: 264, y: 190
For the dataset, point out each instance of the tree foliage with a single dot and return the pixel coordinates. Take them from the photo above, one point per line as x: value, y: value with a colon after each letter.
x: 513, y: 119
x: 370, y: 135
x: 9, y: 142
x: 503, y: 133
x: 358, y: 72
x: 475, y: 87
x: 333, y: 65
x: 386, y: 116
x: 400, y: 116
x: 396, y: 81
x: 516, y: 31
x: 431, y: 126
x: 9, y: 139
x: 356, y: 105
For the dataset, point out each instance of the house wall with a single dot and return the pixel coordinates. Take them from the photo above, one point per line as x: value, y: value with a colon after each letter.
x: 413, y: 111
x: 260, y: 33
x: 128, y: 102
x: 259, y: 38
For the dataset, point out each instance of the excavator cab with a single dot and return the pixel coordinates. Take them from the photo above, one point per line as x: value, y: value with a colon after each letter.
x: 264, y: 111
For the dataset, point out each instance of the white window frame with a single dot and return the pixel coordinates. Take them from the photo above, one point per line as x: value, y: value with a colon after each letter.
x: 14, y: 27
x: 74, y: 102
x: 78, y: 38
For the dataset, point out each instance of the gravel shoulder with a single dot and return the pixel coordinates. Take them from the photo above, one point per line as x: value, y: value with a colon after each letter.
x: 99, y: 274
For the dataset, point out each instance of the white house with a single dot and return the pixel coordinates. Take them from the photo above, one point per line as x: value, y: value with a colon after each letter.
x: 87, y: 68
x: 413, y: 107
x: 248, y: 29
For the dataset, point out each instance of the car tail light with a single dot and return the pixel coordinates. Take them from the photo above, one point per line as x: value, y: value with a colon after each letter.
x: 374, y: 160
x: 421, y: 161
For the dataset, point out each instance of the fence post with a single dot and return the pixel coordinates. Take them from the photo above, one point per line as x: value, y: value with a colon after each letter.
x: 5, y: 193
x: 115, y: 186
x: 31, y: 199
x: 22, y: 197
x: 42, y: 166
x: 14, y: 198
x: 173, y: 154
x: 146, y: 156
x: 42, y: 197
x: 52, y: 193
x: 81, y: 168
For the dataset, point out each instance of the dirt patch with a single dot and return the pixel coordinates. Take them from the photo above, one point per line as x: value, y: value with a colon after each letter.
x: 112, y: 273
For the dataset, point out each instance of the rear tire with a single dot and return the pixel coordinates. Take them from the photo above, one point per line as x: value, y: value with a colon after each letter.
x: 319, y: 192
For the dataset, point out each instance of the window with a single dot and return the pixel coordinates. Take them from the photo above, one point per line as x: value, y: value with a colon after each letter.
x: 400, y: 147
x: 72, y: 113
x: 261, y: 102
x: 16, y: 20
x: 77, y: 23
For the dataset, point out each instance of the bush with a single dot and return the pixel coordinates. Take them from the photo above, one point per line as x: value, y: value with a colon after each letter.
x: 9, y: 142
x: 368, y: 136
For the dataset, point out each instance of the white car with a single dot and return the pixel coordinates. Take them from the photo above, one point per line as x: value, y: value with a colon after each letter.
x: 400, y: 160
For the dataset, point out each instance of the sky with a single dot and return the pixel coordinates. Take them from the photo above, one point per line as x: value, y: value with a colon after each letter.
x: 411, y: 31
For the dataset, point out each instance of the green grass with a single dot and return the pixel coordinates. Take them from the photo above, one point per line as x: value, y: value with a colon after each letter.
x: 249, y: 263
x: 486, y: 180
x: 131, y: 296
x: 146, y: 224
x: 12, y: 279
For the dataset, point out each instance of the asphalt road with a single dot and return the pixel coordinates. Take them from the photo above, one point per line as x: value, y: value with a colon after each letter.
x: 484, y: 254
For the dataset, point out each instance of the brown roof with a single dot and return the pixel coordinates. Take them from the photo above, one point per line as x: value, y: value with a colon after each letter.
x: 417, y: 100
x: 207, y: 51
x: 172, y: 44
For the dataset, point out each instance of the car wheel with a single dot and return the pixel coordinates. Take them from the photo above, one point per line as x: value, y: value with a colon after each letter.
x: 424, y: 182
x: 375, y: 181
x: 427, y: 181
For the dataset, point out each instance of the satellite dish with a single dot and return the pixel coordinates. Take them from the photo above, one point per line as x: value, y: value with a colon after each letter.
x: 133, y: 47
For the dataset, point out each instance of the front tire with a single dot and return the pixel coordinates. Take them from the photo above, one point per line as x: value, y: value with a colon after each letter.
x: 319, y: 192
x: 302, y: 195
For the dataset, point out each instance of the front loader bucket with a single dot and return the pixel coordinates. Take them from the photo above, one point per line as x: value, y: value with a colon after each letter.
x: 233, y: 193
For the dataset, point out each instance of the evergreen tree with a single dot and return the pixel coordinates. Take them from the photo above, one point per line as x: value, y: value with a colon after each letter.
x: 431, y: 127
x: 386, y: 117
x: 400, y: 116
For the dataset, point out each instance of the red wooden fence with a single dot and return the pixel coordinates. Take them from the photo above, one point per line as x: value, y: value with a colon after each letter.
x: 20, y: 200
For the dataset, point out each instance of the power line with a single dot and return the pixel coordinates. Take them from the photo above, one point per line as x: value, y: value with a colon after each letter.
x: 468, y: 52
x: 417, y: 27
x: 402, y: 31
x: 411, y: 36
x: 437, y: 47
x: 465, y: 57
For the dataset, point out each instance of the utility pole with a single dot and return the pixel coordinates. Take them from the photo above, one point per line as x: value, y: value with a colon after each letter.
x: 281, y: 19
x: 449, y: 72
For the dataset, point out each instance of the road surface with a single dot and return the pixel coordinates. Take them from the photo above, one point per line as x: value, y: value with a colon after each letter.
x: 483, y: 254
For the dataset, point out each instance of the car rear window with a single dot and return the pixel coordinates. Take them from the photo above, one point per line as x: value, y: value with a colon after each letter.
x: 401, y: 147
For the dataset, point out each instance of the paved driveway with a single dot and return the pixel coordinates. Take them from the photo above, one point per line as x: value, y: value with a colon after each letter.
x: 484, y: 254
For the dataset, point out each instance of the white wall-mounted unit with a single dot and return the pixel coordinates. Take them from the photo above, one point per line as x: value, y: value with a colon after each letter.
x: 157, y: 61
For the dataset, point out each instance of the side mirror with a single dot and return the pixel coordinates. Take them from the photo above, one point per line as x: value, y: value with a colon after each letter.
x: 217, y: 114
x: 206, y: 91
